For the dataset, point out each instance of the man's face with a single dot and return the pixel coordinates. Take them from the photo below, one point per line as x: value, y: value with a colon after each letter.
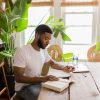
x: 43, y: 40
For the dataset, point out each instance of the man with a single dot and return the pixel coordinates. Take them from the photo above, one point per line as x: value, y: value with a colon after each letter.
x: 28, y: 63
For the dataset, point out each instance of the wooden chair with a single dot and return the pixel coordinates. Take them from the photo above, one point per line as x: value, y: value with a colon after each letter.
x: 55, y: 52
x: 92, y: 56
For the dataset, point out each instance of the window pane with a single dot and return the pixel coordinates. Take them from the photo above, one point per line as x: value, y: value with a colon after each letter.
x: 79, y: 35
x: 80, y: 50
x: 79, y: 24
x: 79, y: 9
x: 37, y: 15
x: 28, y: 33
x: 78, y: 19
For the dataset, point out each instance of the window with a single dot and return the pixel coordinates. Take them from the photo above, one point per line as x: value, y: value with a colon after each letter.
x: 78, y: 17
x: 79, y: 28
x: 36, y: 16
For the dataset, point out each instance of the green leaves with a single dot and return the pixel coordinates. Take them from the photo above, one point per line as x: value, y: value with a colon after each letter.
x: 58, y: 27
x: 3, y: 21
x: 21, y: 9
x: 14, y: 19
x: 7, y: 22
x: 65, y: 37
x: 97, y: 47
x: 7, y: 53
x: 67, y: 57
x: 49, y: 20
x: 3, y: 36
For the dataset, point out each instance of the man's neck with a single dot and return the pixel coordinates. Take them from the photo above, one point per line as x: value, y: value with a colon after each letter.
x: 35, y: 46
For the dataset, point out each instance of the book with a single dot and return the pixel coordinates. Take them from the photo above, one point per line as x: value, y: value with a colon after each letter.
x: 57, y: 86
x: 58, y: 73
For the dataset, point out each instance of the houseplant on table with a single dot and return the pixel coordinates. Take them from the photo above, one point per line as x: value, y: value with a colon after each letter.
x: 13, y: 19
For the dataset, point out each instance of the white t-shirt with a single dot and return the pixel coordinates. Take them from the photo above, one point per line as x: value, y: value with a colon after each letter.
x: 30, y: 59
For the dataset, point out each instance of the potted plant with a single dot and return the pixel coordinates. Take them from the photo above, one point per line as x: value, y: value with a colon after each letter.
x: 13, y: 19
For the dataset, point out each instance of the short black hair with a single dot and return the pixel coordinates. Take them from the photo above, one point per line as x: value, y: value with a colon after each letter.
x: 41, y: 29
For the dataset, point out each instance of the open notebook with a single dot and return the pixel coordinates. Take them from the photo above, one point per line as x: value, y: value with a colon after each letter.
x: 58, y: 73
x: 81, y: 68
x: 57, y: 86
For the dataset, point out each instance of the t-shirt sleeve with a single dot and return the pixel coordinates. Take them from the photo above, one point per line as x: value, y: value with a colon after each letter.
x: 19, y: 58
x: 47, y: 56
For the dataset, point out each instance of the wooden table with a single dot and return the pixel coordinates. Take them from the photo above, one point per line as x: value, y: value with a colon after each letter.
x: 86, y: 86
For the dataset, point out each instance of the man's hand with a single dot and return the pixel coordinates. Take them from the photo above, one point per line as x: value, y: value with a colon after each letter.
x: 50, y: 78
x: 68, y: 69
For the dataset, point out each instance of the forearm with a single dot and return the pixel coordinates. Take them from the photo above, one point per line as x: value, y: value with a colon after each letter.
x: 57, y: 66
x: 30, y: 80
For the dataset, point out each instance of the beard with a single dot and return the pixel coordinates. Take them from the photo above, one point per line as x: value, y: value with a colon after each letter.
x: 40, y: 44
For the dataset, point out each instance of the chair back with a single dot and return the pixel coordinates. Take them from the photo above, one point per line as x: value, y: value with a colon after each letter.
x: 55, y: 52
x: 92, y: 56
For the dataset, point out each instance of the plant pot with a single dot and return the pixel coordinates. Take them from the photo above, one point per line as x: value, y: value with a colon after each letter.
x: 11, y: 84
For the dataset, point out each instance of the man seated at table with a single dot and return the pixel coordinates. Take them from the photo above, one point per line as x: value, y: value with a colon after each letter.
x: 28, y: 63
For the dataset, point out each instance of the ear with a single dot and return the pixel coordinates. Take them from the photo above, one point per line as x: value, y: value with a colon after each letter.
x: 37, y: 35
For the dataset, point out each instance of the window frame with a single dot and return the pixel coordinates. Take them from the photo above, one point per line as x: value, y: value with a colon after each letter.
x: 93, y: 26
x: 83, y: 55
